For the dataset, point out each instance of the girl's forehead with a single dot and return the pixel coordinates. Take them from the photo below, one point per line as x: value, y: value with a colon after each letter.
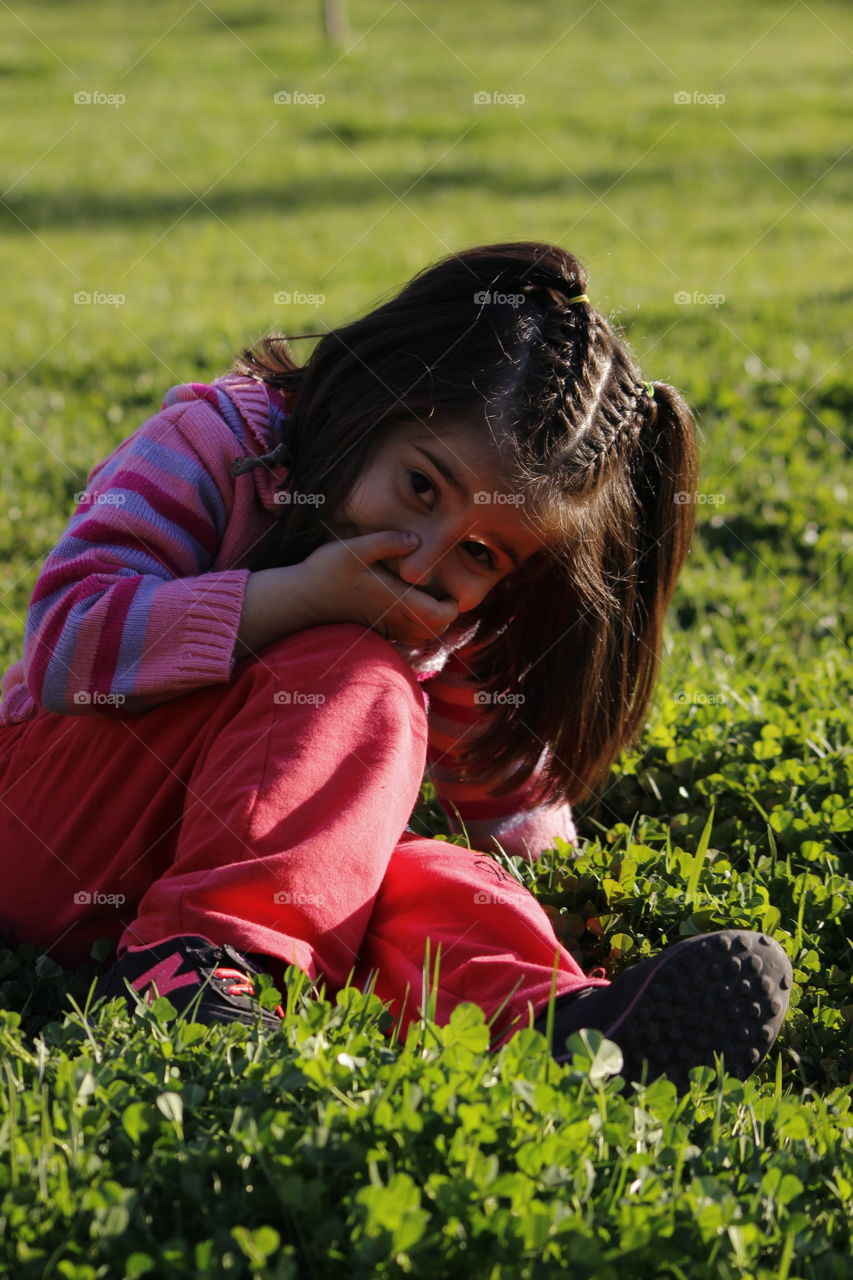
x: 472, y: 446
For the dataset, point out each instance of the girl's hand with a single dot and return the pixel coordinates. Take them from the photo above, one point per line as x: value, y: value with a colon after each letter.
x: 344, y: 582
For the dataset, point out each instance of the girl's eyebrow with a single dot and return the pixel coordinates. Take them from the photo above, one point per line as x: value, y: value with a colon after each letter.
x: 453, y: 480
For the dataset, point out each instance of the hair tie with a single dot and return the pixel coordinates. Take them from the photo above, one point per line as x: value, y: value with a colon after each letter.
x: 649, y: 388
x: 581, y: 297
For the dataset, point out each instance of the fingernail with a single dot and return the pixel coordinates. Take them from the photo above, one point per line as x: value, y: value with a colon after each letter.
x: 411, y: 538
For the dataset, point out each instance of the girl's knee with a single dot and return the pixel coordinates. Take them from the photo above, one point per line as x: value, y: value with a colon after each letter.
x: 342, y: 641
x: 336, y: 652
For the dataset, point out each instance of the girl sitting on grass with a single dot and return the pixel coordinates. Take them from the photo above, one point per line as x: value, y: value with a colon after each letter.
x: 448, y: 541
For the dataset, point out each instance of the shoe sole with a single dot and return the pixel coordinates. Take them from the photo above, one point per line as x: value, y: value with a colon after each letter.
x: 724, y: 993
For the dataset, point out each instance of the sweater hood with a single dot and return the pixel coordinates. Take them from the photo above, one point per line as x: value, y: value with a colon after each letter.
x: 257, y: 416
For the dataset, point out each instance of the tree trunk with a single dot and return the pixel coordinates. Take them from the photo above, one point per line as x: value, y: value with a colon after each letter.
x: 335, y: 26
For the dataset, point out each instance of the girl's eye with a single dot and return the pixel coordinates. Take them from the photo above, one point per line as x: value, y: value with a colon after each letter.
x: 488, y: 558
x: 420, y: 482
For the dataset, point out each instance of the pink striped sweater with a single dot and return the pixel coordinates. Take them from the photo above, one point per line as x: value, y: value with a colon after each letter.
x: 143, y: 594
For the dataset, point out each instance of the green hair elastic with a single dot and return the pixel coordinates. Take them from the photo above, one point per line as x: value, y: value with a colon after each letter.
x: 649, y: 388
x: 581, y: 297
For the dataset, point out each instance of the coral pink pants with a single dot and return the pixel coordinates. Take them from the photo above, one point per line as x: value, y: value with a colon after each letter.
x: 270, y: 814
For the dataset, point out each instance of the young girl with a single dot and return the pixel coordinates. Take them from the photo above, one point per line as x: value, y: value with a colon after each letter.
x: 448, y: 541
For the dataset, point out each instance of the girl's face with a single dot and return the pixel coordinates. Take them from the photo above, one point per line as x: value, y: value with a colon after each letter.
x: 448, y: 489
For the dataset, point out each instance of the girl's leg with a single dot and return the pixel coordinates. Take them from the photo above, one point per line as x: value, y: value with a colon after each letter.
x: 261, y: 814
x: 497, y: 946
x: 311, y: 769
x: 267, y: 816
x: 721, y: 993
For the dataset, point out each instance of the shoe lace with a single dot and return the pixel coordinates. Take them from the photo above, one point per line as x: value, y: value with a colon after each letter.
x: 241, y: 984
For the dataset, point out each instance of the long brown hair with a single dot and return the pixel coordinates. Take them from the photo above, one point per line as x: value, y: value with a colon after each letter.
x: 495, y: 336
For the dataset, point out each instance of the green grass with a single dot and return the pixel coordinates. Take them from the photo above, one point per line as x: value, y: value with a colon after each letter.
x: 142, y: 1146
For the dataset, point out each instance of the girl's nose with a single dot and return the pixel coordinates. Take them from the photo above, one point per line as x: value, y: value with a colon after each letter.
x: 419, y: 567
x: 426, y: 565
x: 430, y: 567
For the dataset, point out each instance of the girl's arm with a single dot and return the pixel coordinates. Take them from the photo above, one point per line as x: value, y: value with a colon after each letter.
x: 515, y: 821
x: 127, y: 611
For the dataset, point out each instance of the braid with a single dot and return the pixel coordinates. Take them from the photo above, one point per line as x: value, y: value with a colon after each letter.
x: 624, y: 437
x: 606, y: 406
x: 549, y: 377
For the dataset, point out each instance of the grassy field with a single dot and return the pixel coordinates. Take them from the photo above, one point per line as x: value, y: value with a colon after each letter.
x: 697, y: 163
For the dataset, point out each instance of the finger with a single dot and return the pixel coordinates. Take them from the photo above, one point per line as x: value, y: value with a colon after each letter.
x: 370, y: 547
x: 418, y: 606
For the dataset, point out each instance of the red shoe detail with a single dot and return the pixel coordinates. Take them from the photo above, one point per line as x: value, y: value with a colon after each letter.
x: 163, y: 974
x: 244, y: 985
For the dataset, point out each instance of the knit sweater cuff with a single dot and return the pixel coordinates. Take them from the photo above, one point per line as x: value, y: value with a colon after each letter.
x: 195, y: 622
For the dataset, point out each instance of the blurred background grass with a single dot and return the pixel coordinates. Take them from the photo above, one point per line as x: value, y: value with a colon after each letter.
x: 198, y: 198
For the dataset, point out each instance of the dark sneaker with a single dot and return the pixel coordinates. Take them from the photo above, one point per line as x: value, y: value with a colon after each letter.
x: 211, y: 982
x: 723, y: 993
